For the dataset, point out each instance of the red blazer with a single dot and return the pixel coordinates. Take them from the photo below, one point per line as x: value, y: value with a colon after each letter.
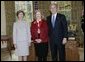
x: 43, y: 30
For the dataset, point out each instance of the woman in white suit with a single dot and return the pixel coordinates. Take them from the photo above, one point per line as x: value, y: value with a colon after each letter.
x: 21, y: 37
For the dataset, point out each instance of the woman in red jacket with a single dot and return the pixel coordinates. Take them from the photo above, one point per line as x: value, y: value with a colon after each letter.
x: 39, y: 32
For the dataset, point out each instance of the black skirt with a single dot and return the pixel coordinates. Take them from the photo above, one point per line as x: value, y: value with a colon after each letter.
x: 41, y: 49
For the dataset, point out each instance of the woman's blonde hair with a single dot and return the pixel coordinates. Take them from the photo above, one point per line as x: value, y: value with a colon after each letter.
x: 42, y: 14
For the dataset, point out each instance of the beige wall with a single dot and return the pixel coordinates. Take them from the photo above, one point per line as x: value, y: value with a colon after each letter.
x: 3, y: 19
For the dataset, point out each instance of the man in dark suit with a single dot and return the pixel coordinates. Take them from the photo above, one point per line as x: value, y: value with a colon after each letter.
x: 57, y: 25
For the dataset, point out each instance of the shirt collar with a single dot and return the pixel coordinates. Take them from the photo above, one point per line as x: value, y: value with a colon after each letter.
x: 54, y: 14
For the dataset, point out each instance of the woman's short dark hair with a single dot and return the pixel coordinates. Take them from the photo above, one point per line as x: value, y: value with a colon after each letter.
x: 20, y: 11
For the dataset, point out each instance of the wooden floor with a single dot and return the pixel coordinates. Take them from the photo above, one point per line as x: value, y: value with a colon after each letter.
x: 6, y: 57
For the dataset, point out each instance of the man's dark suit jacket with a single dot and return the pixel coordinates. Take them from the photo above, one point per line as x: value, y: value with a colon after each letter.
x: 60, y: 29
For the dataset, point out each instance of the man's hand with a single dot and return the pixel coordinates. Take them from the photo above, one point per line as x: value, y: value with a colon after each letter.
x: 64, y: 41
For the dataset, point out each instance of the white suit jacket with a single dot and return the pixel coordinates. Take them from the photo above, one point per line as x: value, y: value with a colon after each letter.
x: 21, y: 32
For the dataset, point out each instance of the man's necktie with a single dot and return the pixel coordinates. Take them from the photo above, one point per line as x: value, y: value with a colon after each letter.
x: 53, y: 21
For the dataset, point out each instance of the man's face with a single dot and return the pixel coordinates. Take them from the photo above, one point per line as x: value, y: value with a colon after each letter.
x: 53, y: 9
